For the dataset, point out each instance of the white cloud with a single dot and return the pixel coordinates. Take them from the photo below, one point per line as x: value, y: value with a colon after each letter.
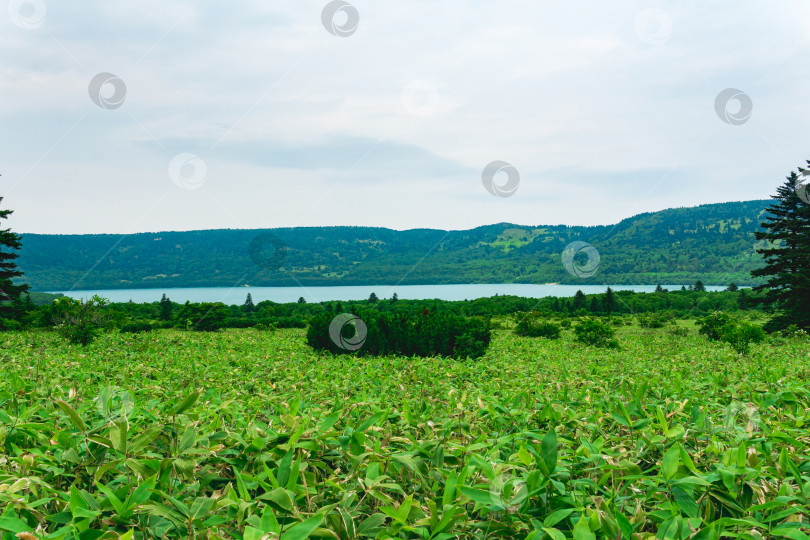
x: 600, y: 123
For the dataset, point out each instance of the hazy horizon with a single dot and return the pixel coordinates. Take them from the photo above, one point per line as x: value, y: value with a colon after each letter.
x: 381, y: 227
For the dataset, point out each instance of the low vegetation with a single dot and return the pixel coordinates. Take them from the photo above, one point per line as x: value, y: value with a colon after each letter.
x: 245, y: 434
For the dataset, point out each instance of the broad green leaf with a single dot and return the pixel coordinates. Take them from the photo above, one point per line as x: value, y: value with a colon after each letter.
x: 548, y: 451
x: 186, y: 404
x: 75, y: 419
x: 142, y: 440
x: 14, y: 525
x: 301, y: 531
x: 554, y: 533
x: 200, y: 507
x: 670, y: 462
x: 556, y: 517
x: 582, y: 531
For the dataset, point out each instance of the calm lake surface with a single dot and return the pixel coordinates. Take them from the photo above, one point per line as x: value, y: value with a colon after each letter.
x: 236, y: 295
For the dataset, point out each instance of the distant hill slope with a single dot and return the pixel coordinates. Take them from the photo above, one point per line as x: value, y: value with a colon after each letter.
x: 714, y: 243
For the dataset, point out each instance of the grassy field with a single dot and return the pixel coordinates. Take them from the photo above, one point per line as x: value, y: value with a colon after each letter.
x: 249, y: 434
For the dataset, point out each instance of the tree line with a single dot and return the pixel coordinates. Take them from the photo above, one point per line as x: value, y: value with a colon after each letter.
x: 784, y: 273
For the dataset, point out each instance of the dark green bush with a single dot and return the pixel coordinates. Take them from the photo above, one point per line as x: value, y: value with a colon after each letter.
x: 80, y: 321
x: 287, y: 322
x: 793, y: 331
x: 740, y: 335
x: 653, y: 320
x: 236, y: 322
x: 535, y: 326
x: 9, y: 324
x: 202, y: 317
x: 264, y: 327
x: 422, y: 334
x: 712, y: 325
x: 596, y: 333
x: 136, y: 327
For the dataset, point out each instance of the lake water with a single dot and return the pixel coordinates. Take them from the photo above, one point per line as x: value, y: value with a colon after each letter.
x: 236, y: 295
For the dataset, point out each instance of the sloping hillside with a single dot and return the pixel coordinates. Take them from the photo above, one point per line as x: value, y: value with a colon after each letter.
x: 714, y: 243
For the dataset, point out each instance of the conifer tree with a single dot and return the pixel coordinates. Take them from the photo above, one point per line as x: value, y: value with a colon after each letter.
x: 10, y: 294
x: 609, y: 301
x: 165, y: 308
x: 787, y: 255
x: 579, y: 301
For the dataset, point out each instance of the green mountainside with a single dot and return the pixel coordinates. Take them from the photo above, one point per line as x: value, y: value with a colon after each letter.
x: 714, y: 243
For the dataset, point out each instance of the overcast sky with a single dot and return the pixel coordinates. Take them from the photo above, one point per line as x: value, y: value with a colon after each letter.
x: 276, y: 114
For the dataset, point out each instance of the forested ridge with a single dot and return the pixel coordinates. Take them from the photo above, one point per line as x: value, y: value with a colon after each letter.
x: 714, y: 243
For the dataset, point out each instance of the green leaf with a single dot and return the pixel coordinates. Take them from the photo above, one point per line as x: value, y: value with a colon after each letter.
x: 179, y: 505
x: 72, y: 415
x: 449, y: 494
x: 142, y: 440
x: 370, y: 525
x: 662, y: 419
x: 114, y: 501
x: 548, y: 451
x: 524, y: 456
x: 478, y: 495
x: 687, y: 461
x: 409, y: 462
x: 789, y: 532
x: 139, y: 496
x: 84, y: 513
x: 269, y: 523
x: 624, y: 525
x: 188, y: 439
x: 76, y: 500
x: 347, y: 522
x: 373, y: 419
x: 284, y: 468
x: 186, y: 404
x: 201, y: 506
x: 280, y: 498
x: 708, y: 533
x: 582, y: 531
x: 327, y: 422
x: 301, y: 531
x: 118, y: 436
x: 555, y: 517
x: 554, y: 533
x: 252, y: 533
x: 669, y: 465
x: 686, y: 502
x: 240, y: 486
x: 14, y: 525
